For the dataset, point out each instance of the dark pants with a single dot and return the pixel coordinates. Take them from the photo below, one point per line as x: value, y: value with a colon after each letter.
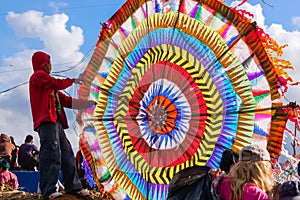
x: 31, y: 163
x: 56, y: 153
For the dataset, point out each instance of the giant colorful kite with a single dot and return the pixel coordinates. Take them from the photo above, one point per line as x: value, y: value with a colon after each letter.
x: 177, y: 83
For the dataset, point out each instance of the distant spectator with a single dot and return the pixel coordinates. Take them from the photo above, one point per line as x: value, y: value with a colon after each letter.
x: 289, y: 190
x: 14, y: 154
x: 79, y: 164
x: 81, y: 169
x: 28, y: 154
x: 7, y: 178
x: 6, y: 147
x: 229, y: 158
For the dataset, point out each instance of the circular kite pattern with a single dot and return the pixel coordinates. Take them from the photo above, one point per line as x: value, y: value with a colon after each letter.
x: 177, y: 89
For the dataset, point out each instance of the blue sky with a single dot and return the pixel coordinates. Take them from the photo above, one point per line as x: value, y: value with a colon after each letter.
x: 69, y: 30
x: 88, y: 15
x: 278, y: 12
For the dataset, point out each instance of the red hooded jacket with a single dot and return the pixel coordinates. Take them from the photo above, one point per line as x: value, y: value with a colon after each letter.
x: 41, y: 90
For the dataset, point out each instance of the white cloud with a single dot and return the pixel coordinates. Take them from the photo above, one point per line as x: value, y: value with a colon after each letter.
x: 292, y: 39
x: 57, y: 5
x: 296, y: 22
x: 16, y: 118
x: 51, y: 30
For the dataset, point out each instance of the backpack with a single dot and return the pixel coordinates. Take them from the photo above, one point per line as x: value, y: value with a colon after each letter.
x: 190, y: 184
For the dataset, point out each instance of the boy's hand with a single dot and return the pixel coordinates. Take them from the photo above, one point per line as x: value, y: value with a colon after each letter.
x: 76, y: 80
x: 90, y: 103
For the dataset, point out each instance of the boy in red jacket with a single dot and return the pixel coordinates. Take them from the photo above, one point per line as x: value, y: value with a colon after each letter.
x: 49, y: 120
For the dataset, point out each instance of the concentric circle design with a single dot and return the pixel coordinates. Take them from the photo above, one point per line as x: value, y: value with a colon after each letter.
x: 161, y: 114
x: 173, y: 93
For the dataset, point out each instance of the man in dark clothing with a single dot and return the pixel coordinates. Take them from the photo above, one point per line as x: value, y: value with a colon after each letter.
x: 49, y: 120
x: 28, y: 154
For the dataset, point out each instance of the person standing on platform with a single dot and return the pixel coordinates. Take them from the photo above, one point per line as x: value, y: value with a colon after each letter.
x: 49, y: 120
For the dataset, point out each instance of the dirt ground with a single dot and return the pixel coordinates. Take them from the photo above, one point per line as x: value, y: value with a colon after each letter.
x: 20, y: 195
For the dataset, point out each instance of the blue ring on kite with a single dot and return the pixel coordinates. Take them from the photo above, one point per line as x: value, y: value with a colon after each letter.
x: 176, y: 132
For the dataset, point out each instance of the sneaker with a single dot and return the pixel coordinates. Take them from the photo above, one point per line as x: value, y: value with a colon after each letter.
x: 55, y: 195
x: 60, y: 187
x: 83, y: 193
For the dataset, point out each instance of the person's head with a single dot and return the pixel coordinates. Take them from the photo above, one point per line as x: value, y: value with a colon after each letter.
x: 254, y: 167
x: 229, y: 157
x: 12, y: 140
x: 298, y: 168
x: 4, y: 164
x: 29, y: 139
x: 254, y: 152
x: 289, y: 190
x: 41, y: 61
x: 4, y: 138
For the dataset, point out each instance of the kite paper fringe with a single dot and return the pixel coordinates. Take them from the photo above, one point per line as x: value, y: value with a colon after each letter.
x: 280, y: 65
x: 244, y: 1
x: 293, y: 111
x: 271, y: 47
x: 295, y: 83
x: 242, y: 12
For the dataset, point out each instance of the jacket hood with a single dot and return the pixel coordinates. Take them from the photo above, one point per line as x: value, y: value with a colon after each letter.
x: 4, y: 138
x: 39, y: 59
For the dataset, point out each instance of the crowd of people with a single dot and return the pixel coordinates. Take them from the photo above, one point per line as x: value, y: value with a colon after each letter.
x: 248, y: 175
x: 24, y: 157
x: 14, y: 157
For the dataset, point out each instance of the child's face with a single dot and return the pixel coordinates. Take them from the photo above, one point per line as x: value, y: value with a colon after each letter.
x: 48, y: 67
